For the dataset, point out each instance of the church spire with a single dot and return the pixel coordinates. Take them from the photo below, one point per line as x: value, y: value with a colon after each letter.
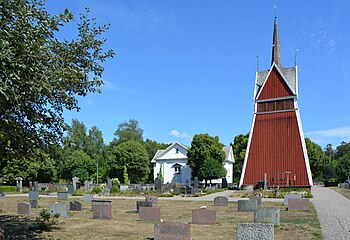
x: 276, y: 54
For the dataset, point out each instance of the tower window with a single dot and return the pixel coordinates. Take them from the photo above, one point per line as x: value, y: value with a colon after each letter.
x: 177, y: 168
x: 177, y: 150
x: 271, y: 106
x: 262, y: 107
x: 279, y: 105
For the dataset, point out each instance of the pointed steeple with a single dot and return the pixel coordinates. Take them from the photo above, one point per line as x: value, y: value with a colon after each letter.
x: 276, y: 53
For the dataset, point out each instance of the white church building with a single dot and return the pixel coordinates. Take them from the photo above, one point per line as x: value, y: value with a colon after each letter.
x: 173, y: 163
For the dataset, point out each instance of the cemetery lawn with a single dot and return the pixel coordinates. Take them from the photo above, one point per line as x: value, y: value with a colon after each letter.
x: 343, y: 191
x: 80, y: 225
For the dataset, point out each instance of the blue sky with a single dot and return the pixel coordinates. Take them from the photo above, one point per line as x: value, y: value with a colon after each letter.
x: 188, y: 67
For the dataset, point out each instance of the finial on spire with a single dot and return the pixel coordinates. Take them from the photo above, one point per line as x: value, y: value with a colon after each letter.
x: 274, y: 6
x: 276, y: 54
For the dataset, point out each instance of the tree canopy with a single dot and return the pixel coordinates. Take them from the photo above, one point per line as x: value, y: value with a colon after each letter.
x: 129, y: 131
x: 41, y: 75
x: 203, y: 148
x: 134, y: 156
x: 239, y: 147
x: 318, y: 160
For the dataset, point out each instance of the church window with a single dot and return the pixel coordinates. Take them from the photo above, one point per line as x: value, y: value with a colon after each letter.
x: 270, y: 106
x: 289, y: 104
x: 280, y: 105
x: 177, y: 168
x: 262, y: 107
x: 177, y: 150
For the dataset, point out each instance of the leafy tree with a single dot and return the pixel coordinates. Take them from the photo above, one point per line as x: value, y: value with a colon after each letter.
x: 129, y: 131
x: 239, y: 147
x: 78, y: 164
x: 134, y: 156
x: 212, y: 169
x: 95, y: 143
x: 41, y: 75
x: 317, y: 159
x: 76, y: 136
x: 160, y: 173
x: 329, y: 152
x: 204, y: 147
x: 343, y: 167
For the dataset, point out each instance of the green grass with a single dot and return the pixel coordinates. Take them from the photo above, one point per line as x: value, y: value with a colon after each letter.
x: 7, y: 189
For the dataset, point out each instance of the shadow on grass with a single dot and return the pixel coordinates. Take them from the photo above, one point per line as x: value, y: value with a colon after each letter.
x: 20, y: 227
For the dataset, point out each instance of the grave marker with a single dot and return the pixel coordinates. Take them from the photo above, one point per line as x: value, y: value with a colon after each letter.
x: 62, y: 195
x: 88, y: 197
x: 19, y: 184
x: 2, y: 195
x: 75, y: 206
x: 289, y: 196
x: 124, y: 188
x: 34, y: 203
x: 101, y: 209
x: 70, y: 188
x: 151, y: 198
x: 204, y: 216
x: 259, y: 231
x: 298, y: 204
x: 247, y: 205
x: 220, y: 201
x: 33, y: 195
x: 267, y: 215
x: 109, y: 184
x: 24, y: 208
x: 62, y: 209
x: 169, y: 230
x: 149, y: 214
x: 195, y: 182
x: 142, y: 204
x: 75, y: 181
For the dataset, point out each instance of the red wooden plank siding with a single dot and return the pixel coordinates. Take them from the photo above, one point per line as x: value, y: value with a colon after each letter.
x: 275, y: 147
x: 275, y: 87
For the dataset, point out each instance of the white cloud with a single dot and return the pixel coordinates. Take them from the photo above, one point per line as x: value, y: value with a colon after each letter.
x: 178, y: 134
x: 333, y: 132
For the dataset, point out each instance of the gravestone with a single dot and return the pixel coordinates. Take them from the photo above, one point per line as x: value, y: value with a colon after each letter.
x: 19, y: 184
x: 75, y: 181
x: 195, y: 182
x: 88, y: 197
x: 75, y: 206
x: 124, y: 188
x: 267, y: 215
x: 2, y: 195
x: 204, y: 216
x: 142, y: 204
x: 34, y: 203
x: 158, y: 185
x: 62, y: 195
x: 109, y: 184
x: 188, y: 190
x: 261, y: 231
x: 31, y: 185
x: 101, y: 209
x: 24, y: 208
x: 149, y: 214
x: 62, y: 209
x: 298, y: 204
x: 220, y: 201
x: 177, y: 190
x: 70, y: 188
x: 170, y: 230
x: 35, y: 186
x: 195, y: 190
x: 289, y: 196
x: 151, y: 198
x: 247, y: 205
x: 87, y: 186
x: 224, y: 183
x: 257, y: 193
x: 257, y: 198
x: 33, y: 195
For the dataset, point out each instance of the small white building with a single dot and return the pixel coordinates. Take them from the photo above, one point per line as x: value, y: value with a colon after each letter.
x: 174, y: 164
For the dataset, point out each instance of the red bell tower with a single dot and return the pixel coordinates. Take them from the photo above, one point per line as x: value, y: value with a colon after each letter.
x: 276, y: 148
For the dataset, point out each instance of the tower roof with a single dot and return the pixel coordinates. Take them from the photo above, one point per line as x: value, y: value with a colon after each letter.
x: 276, y: 53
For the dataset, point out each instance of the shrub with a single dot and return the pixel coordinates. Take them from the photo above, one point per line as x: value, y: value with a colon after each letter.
x: 78, y: 192
x: 46, y: 221
x: 115, y: 189
x: 96, y: 190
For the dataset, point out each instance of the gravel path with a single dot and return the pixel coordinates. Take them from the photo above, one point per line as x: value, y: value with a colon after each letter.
x: 333, y: 212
